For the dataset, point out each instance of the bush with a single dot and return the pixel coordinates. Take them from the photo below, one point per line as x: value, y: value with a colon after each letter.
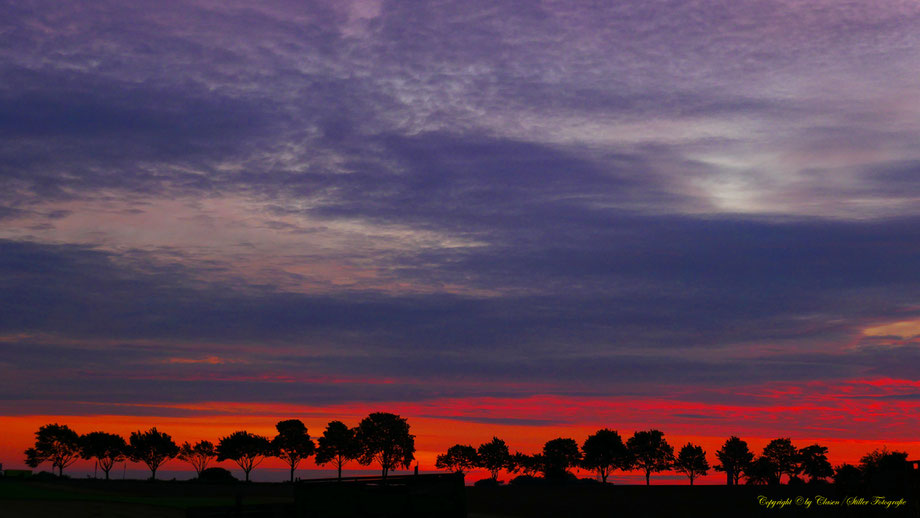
x: 217, y: 475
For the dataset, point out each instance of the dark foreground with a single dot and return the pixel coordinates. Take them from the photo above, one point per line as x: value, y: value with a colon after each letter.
x: 139, y: 499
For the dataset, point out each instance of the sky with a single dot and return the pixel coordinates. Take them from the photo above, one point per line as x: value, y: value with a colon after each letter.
x: 526, y: 218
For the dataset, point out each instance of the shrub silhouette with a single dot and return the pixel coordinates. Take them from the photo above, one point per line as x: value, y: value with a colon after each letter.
x: 216, y: 475
x: 529, y: 465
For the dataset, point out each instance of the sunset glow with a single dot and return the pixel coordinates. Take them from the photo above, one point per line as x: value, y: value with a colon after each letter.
x: 527, y: 220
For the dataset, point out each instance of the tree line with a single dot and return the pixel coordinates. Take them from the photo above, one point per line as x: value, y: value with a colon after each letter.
x: 384, y: 439
x: 648, y: 452
x: 381, y: 438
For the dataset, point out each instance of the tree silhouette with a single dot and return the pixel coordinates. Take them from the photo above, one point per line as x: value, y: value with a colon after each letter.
x: 153, y: 448
x: 199, y: 455
x: 885, y: 470
x: 459, y: 459
x: 735, y: 457
x: 650, y: 452
x: 784, y: 457
x: 847, y: 477
x: 293, y: 443
x: 691, y: 461
x: 813, y: 462
x: 604, y: 452
x: 57, y: 443
x: 529, y: 465
x: 337, y: 445
x: 248, y: 450
x: 558, y: 456
x: 494, y: 456
x: 762, y: 471
x: 385, y: 438
x: 106, y: 448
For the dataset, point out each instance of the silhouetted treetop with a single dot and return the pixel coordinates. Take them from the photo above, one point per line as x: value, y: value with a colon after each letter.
x: 459, y: 459
x: 293, y: 443
x: 604, y: 452
x: 734, y: 458
x: 691, y: 461
x: 784, y: 456
x: 246, y: 449
x: 813, y: 462
x: 559, y: 455
x: 153, y: 448
x: 385, y: 438
x: 199, y: 455
x: 106, y: 448
x: 56, y: 443
x: 494, y: 456
x: 650, y: 452
x: 337, y: 445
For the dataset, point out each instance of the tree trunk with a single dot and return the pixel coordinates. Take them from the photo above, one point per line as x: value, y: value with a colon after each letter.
x: 648, y: 474
x: 153, y: 472
x: 340, y: 470
x: 292, y: 474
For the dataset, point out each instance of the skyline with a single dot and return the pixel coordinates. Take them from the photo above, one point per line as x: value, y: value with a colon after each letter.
x: 702, y: 217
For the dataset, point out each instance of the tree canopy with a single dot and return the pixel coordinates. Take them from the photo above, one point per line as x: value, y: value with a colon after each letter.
x: 734, y: 458
x: 56, y: 443
x: 784, y: 456
x: 604, y: 452
x: 337, y: 445
x: 650, y: 452
x: 459, y: 459
x: 246, y: 449
x: 385, y: 438
x: 199, y: 455
x: 559, y: 455
x: 293, y: 443
x: 494, y: 456
x: 691, y: 461
x: 106, y: 448
x: 813, y: 462
x: 153, y: 448
x: 529, y: 465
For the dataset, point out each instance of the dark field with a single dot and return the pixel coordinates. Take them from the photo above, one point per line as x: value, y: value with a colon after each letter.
x: 141, y: 499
